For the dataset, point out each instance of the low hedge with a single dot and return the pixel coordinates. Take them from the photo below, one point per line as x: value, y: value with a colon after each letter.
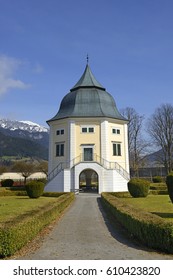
x: 17, y: 233
x: 53, y: 194
x: 169, y: 183
x: 12, y: 193
x: 158, y: 192
x: 6, y: 192
x: 148, y: 228
x: 157, y: 179
x: 7, y: 183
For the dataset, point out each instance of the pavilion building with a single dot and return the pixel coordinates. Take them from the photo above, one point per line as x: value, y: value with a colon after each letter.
x: 88, y: 145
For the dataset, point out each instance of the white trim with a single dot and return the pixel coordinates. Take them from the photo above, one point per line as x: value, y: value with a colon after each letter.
x: 87, y: 128
x: 126, y: 148
x: 71, y: 140
x: 116, y: 130
x: 105, y: 145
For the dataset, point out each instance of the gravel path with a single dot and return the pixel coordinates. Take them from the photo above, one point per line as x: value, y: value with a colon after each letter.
x: 84, y: 233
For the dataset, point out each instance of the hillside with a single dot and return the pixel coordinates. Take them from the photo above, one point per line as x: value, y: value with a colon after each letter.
x: 15, y: 146
x: 23, y: 139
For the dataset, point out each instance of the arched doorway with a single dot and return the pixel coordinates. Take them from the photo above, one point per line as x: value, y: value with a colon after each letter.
x: 88, y: 181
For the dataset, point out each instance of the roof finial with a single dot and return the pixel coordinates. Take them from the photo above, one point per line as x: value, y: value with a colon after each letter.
x: 87, y: 58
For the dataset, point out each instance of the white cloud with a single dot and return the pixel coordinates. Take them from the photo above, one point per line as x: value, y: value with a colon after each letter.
x: 8, y: 68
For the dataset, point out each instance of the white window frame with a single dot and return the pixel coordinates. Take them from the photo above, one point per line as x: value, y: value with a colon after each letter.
x: 60, y: 131
x: 61, y: 150
x: 116, y: 130
x: 87, y: 128
x: 117, y: 151
x: 85, y: 146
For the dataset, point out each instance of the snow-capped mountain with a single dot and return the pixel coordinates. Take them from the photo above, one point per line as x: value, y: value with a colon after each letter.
x: 22, y: 125
x: 25, y: 129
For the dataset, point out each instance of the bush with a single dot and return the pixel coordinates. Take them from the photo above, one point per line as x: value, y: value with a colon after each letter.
x: 157, y: 179
x: 138, y: 187
x: 35, y: 189
x: 53, y: 194
x: 169, y: 183
x: 12, y: 193
x: 17, y: 233
x: 149, y: 229
x: 7, y: 183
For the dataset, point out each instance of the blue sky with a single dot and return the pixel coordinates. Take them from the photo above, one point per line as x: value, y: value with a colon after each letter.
x: 44, y: 43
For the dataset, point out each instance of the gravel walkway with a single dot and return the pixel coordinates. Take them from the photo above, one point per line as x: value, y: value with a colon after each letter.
x: 84, y: 233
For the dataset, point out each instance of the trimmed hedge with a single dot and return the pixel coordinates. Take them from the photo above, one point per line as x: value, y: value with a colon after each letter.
x: 148, y: 228
x: 7, y: 183
x: 158, y: 192
x: 138, y: 187
x: 17, y: 233
x: 157, y: 179
x: 169, y: 183
x: 158, y: 188
x: 52, y: 194
x: 6, y: 192
x: 12, y: 193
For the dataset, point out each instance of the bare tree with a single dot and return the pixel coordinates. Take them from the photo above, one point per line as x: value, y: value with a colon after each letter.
x: 160, y: 128
x: 137, y: 144
x: 24, y: 168
x: 43, y: 167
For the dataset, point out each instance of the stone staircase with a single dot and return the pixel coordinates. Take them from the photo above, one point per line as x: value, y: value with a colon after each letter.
x: 96, y: 159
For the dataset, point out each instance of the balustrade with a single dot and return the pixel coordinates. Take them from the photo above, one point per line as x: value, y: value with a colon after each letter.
x: 95, y: 158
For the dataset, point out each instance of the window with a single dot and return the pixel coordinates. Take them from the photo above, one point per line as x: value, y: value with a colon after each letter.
x: 88, y: 129
x: 60, y: 132
x: 91, y: 129
x: 116, y: 149
x: 60, y: 150
x: 84, y: 129
x: 115, y: 130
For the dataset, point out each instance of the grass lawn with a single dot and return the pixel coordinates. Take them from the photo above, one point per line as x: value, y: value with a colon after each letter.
x: 157, y: 204
x: 12, y: 206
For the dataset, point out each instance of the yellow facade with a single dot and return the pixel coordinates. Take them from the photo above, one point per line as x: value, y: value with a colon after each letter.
x: 58, y: 139
x: 87, y: 138
x: 83, y: 138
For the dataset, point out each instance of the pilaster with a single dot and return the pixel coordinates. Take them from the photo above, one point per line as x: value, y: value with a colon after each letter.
x: 105, y: 146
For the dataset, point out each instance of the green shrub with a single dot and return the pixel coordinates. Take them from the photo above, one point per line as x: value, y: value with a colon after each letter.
x: 120, y: 194
x: 35, y: 189
x: 53, y: 194
x: 138, y: 187
x: 159, y: 192
x: 149, y: 229
x: 7, y: 183
x: 169, y: 183
x: 16, y: 188
x: 157, y: 179
x: 12, y: 193
x: 17, y: 233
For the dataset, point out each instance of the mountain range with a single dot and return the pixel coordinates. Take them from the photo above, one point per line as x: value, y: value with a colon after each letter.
x: 23, y: 139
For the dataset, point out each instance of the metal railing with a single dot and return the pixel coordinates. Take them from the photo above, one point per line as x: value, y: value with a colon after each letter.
x: 95, y: 158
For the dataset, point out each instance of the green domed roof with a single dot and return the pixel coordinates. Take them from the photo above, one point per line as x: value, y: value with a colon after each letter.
x: 88, y: 98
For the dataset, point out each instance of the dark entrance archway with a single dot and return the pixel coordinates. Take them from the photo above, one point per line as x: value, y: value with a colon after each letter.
x: 88, y: 181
